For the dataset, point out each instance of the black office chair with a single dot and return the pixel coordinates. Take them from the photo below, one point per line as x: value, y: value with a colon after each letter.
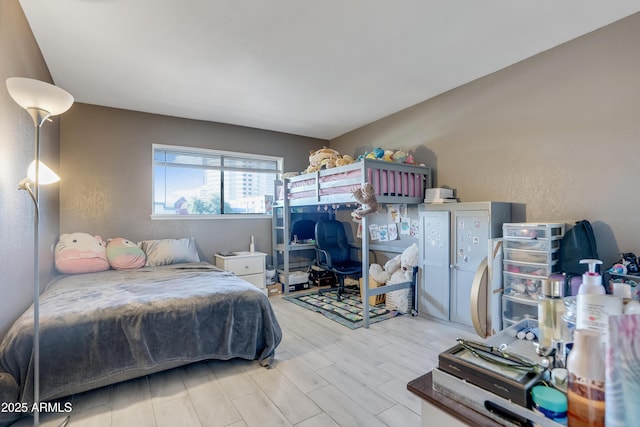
x: 333, y: 253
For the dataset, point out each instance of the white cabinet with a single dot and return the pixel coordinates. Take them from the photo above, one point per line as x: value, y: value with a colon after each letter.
x: 460, y: 254
x: 248, y: 265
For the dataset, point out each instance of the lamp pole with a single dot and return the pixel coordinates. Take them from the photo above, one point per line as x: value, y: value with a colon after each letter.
x: 39, y: 116
x: 41, y: 100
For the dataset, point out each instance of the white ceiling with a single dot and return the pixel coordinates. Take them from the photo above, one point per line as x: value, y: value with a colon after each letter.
x: 317, y: 68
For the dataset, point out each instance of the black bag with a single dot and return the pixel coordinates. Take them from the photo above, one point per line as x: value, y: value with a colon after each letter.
x: 578, y: 243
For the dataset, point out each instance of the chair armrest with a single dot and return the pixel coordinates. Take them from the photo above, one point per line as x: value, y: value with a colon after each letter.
x: 327, y: 257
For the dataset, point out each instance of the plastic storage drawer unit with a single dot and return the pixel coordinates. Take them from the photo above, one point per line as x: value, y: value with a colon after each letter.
x: 537, y: 257
x: 529, y: 269
x: 522, y: 286
x: 528, y: 230
x: 516, y: 309
x: 532, y: 244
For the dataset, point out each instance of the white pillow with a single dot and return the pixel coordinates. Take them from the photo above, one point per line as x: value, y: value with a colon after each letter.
x: 170, y: 251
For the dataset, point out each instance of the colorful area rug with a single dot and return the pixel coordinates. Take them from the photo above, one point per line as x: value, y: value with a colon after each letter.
x: 347, y: 312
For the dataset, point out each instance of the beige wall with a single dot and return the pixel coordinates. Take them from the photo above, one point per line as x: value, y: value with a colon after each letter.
x: 559, y: 132
x: 106, y: 167
x: 20, y: 57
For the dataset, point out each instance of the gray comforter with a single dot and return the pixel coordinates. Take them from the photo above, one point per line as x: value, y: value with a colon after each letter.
x: 101, y: 328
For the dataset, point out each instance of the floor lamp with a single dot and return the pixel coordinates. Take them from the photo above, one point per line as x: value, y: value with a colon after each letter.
x: 41, y: 100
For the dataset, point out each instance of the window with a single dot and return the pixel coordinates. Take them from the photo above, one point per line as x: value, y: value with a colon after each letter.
x: 195, y: 182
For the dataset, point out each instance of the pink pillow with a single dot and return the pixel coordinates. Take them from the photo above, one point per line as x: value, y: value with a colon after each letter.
x: 123, y: 254
x: 80, y: 253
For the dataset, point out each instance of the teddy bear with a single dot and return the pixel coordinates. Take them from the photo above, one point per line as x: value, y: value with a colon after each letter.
x: 398, y: 269
x: 323, y: 157
x: 366, y: 196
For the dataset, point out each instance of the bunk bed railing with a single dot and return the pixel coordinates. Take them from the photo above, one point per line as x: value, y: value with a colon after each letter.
x: 392, y: 183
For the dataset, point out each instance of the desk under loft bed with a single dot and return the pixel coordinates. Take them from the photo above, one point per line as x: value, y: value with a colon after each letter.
x: 393, y: 183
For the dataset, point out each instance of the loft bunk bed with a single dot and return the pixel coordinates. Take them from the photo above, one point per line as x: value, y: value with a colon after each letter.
x: 393, y: 183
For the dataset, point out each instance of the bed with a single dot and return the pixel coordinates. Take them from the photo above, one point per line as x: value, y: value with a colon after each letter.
x: 101, y: 328
x: 393, y: 183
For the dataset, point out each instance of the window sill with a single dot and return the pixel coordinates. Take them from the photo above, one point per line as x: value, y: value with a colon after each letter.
x: 209, y: 217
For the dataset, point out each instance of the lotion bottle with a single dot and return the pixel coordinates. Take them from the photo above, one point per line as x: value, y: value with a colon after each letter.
x: 586, y: 386
x: 588, y: 294
x: 591, y: 280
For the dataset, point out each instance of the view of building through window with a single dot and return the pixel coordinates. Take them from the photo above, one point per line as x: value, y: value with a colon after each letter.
x: 190, y: 181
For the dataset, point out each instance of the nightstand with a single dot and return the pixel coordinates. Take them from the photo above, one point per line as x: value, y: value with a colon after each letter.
x: 249, y: 266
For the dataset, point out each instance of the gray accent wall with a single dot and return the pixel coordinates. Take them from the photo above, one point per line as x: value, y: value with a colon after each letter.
x: 106, y: 153
x: 21, y: 57
x: 558, y: 133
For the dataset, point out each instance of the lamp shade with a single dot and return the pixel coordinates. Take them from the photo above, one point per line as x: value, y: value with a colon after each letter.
x: 45, y: 174
x: 30, y: 93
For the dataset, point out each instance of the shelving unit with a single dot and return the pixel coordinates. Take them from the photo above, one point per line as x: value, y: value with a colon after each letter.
x: 531, y: 253
x: 289, y: 257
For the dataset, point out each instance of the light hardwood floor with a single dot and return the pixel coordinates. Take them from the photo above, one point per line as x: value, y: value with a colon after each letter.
x: 324, y: 375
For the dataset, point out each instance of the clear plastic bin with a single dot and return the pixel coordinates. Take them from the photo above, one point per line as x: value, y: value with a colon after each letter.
x: 532, y: 230
x: 529, y: 269
x: 514, y: 309
x: 519, y: 286
x: 539, y: 257
x: 532, y: 244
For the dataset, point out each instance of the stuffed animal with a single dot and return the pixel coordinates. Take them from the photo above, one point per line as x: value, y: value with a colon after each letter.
x: 323, y: 157
x: 400, y: 156
x: 398, y: 269
x: 290, y: 174
x: 343, y: 160
x: 123, y: 254
x: 366, y: 196
x: 387, y: 156
x: 408, y: 260
x: 328, y: 162
x: 80, y: 253
x: 377, y: 153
